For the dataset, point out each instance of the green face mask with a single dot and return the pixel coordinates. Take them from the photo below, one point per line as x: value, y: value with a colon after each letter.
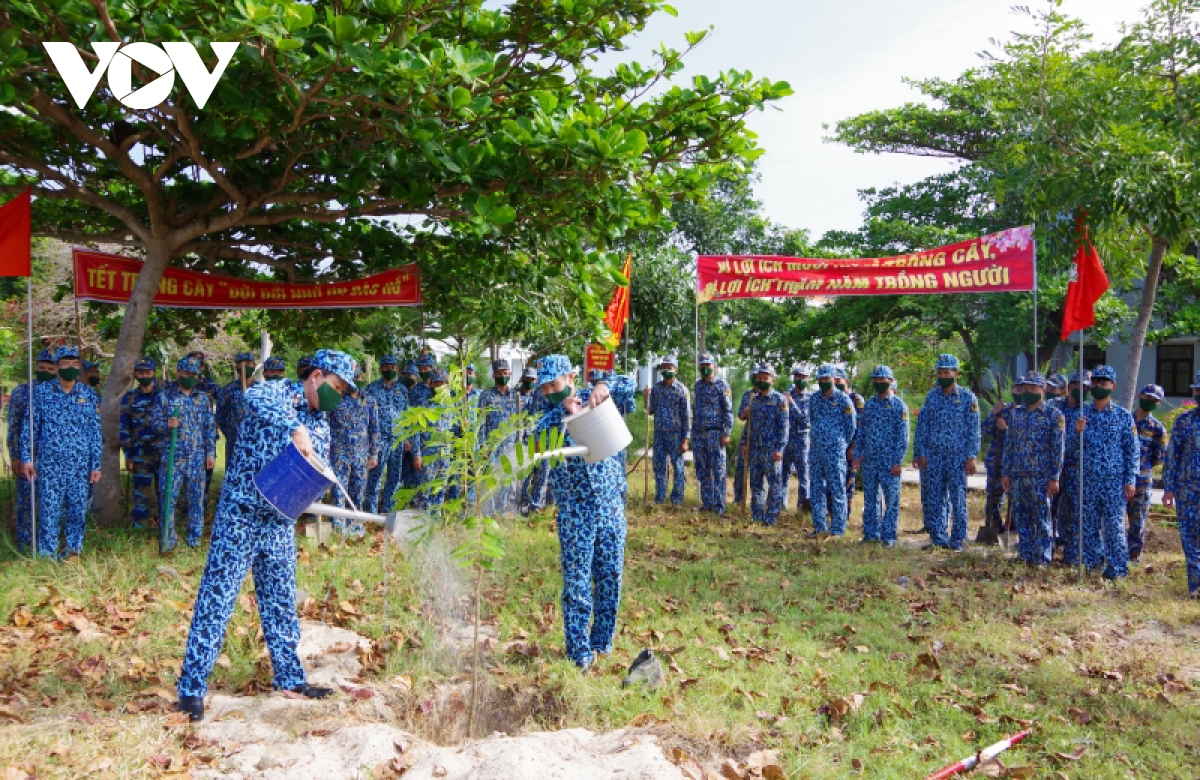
x: 762, y: 384
x: 557, y: 398
x: 93, y: 380
x: 945, y: 381
x: 825, y: 386
x: 1080, y: 394
x: 327, y: 398
x: 275, y: 378
x: 188, y: 382
x: 668, y: 375
x: 1147, y: 404
x: 45, y: 376
x: 470, y: 380
x: 706, y: 372
x: 526, y: 384
x: 388, y: 374
x: 882, y: 387
x: 799, y: 383
x: 145, y: 381
x: 1017, y: 396
x: 408, y: 381
x: 424, y: 375
x: 501, y: 381
x: 1100, y: 393
x: 69, y: 374
x: 1031, y: 399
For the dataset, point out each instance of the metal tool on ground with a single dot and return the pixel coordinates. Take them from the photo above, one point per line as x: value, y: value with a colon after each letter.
x: 967, y: 764
x: 166, y: 520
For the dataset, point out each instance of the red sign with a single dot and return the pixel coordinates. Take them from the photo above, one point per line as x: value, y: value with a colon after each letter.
x: 598, y: 356
x: 110, y: 278
x: 1001, y: 262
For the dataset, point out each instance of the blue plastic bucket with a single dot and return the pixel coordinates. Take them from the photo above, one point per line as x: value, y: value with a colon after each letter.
x: 291, y: 482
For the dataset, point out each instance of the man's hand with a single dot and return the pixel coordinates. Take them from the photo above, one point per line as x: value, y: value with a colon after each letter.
x: 16, y: 467
x: 1052, y: 488
x: 1080, y: 424
x: 646, y: 392
x: 920, y: 462
x: 724, y: 441
x: 971, y: 467
x: 858, y: 463
x: 1168, y: 499
x: 684, y: 446
x: 744, y: 451
x: 1001, y: 424
x: 172, y: 422
x: 1006, y: 484
x: 599, y: 395
x: 777, y: 456
x: 302, y: 441
x: 408, y: 446
x: 897, y: 470
x: 210, y: 462
x: 572, y: 405
x: 94, y: 477
x: 1129, y: 491
x: 128, y: 464
x: 28, y: 470
x: 372, y: 463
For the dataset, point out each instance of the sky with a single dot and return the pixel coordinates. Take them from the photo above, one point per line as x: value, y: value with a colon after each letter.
x: 844, y: 58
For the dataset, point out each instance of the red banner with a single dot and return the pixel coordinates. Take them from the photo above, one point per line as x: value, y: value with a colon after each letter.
x: 1001, y: 262
x: 598, y: 356
x: 110, y: 278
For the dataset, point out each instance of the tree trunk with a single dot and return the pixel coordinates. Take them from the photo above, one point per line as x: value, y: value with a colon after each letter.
x: 1128, y: 388
x: 129, y: 346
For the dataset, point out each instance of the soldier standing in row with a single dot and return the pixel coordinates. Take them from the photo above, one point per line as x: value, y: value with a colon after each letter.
x: 390, y: 397
x: 421, y: 394
x: 1032, y: 463
x: 535, y: 490
x: 832, y: 414
x: 354, y: 449
x: 995, y: 427
x: 498, y: 403
x: 712, y: 423
x: 945, y: 450
x: 140, y: 441
x: 1071, y: 406
x: 739, y: 467
x: 670, y: 406
x: 880, y: 444
x: 795, y: 455
x: 841, y: 382
x: 18, y: 420
x: 1152, y: 444
x: 187, y: 411
x: 1181, y: 485
x: 763, y: 446
x: 231, y: 402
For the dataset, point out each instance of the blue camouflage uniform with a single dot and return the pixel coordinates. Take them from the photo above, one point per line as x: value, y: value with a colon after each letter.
x: 535, y: 490
x: 391, y: 403
x: 231, y: 401
x: 947, y: 437
x: 1033, y: 458
x: 739, y: 466
x: 433, y: 466
x: 670, y: 406
x: 66, y: 431
x: 1068, y: 504
x: 18, y: 419
x: 994, y: 459
x: 1152, y: 443
x: 881, y: 442
x: 1181, y: 478
x: 833, y: 422
x: 591, y: 528
x: 768, y: 426
x: 195, y: 440
x: 140, y: 443
x: 1110, y: 462
x: 251, y: 535
x: 795, y: 455
x: 712, y: 419
x: 419, y: 395
x: 858, y: 401
x: 497, y: 404
x: 354, y: 441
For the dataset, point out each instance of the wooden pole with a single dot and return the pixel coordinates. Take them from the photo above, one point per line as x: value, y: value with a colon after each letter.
x: 746, y: 457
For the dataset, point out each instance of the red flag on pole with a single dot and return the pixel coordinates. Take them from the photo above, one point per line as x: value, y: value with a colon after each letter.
x: 618, y: 308
x: 1088, y: 283
x: 15, y: 236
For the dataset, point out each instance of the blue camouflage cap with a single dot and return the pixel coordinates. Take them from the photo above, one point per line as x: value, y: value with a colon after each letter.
x: 88, y: 365
x: 438, y: 375
x: 500, y: 365
x: 764, y: 368
x: 45, y: 356
x: 530, y: 372
x: 471, y: 367
x: 596, y: 374
x: 188, y: 364
x: 799, y: 370
x: 1034, y: 378
x: 825, y: 371
x: 882, y: 372
x: 242, y: 357
x: 305, y: 361
x: 552, y: 367
x: 705, y: 359
x: 388, y: 360
x: 145, y: 364
x: 839, y: 373
x: 669, y: 360
x: 426, y: 360
x: 946, y: 360
x: 274, y: 364
x: 333, y: 362
x: 410, y: 367
x: 1104, y: 372
x: 1057, y: 381
x: 65, y: 353
x: 1153, y: 391
x: 1081, y: 377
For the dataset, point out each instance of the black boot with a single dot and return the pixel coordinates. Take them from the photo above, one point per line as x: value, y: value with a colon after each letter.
x: 312, y: 691
x: 193, y: 706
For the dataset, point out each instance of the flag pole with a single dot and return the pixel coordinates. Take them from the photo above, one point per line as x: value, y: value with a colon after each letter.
x: 30, y: 387
x: 1079, y: 507
x: 1036, y: 367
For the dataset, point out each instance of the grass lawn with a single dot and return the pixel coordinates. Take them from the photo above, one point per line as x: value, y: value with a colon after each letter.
x: 853, y: 661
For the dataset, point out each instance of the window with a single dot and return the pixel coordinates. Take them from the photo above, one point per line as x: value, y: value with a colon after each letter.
x: 1175, y: 365
x: 1094, y: 356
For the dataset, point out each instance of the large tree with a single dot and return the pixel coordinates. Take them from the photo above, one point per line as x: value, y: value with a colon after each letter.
x: 335, y: 114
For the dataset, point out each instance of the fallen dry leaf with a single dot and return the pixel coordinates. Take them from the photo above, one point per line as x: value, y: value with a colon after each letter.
x: 1074, y: 755
x: 98, y: 765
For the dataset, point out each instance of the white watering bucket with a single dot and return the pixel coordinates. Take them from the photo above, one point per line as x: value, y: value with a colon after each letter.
x: 599, y: 432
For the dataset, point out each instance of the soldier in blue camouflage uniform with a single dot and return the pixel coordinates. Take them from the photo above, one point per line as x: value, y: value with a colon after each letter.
x: 591, y: 516
x: 231, y: 402
x: 91, y: 374
x: 1031, y: 465
x: 795, y: 455
x: 251, y: 535
x: 880, y: 444
x: 274, y: 369
x: 354, y: 449
x: 139, y: 440
x: 995, y: 426
x: 535, y: 490
x: 1109, y: 472
x: 208, y: 386
x: 1181, y: 485
x: 428, y: 461
x: 833, y: 421
x: 18, y: 419
x: 391, y: 400
x: 1067, y: 517
x: 1152, y: 443
x: 498, y: 403
x: 66, y: 431
x: 763, y: 448
x: 739, y: 466
x: 471, y: 385
x: 712, y: 423
x: 419, y: 395
x: 671, y: 407
x: 945, y: 450
x: 1056, y: 388
x: 188, y: 411
x: 409, y: 378
x: 841, y: 382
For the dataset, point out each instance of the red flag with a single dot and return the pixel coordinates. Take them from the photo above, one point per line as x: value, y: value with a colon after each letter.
x: 1088, y: 283
x: 15, y: 236
x: 617, y: 312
